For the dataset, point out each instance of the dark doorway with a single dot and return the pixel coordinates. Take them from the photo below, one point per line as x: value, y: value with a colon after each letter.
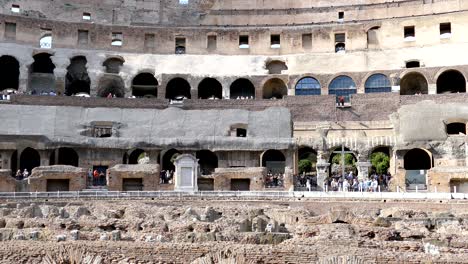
x: 29, y: 159
x: 456, y: 129
x: 58, y: 185
x: 242, y: 88
x: 417, y: 159
x: 64, y: 156
x: 168, y: 159
x: 145, y: 85
x: 178, y: 88
x: 240, y: 184
x: 210, y: 88
x: 132, y: 185
x: 9, y: 67
x: 413, y: 83
x: 77, y: 80
x: 274, y: 161
x: 208, y: 161
x: 102, y: 172
x: 451, y: 82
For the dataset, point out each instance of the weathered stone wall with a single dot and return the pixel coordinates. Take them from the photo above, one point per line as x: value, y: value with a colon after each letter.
x: 39, y: 176
x: 149, y: 173
x: 223, y: 176
x: 7, y: 183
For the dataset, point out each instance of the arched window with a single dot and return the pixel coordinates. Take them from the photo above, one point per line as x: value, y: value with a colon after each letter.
x: 46, y: 41
x: 77, y: 81
x: 208, y: 161
x: 29, y: 159
x: 210, y: 88
x: 111, y: 85
x: 113, y: 65
x: 378, y: 83
x: 42, y: 78
x: 308, y: 86
x: 342, y: 86
x: 274, y: 161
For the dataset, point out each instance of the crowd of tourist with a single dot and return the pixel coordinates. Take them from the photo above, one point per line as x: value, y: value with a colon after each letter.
x: 347, y: 183
x: 274, y: 180
x: 20, y: 175
x: 96, y: 178
x: 5, y: 94
x: 166, y: 177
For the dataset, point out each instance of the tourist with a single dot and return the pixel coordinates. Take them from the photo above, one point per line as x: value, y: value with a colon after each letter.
x: 95, y: 177
x: 102, y: 178
x: 162, y: 177
x: 109, y: 95
x: 25, y: 173
x: 341, y: 100
x: 19, y: 175
x: 90, y: 177
x: 308, y: 185
x: 362, y: 186
x: 355, y: 186
x: 345, y: 185
x: 334, y: 185
x: 374, y: 185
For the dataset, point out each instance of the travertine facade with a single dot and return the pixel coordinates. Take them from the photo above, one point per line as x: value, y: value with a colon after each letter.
x: 210, y: 70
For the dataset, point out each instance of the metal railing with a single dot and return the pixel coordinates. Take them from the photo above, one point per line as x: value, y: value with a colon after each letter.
x: 100, y: 194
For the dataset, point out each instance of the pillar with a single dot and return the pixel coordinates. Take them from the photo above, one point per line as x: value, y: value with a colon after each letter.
x: 288, y: 180
x: 432, y: 88
x: 322, y: 170
x: 363, y: 169
x: 45, y: 157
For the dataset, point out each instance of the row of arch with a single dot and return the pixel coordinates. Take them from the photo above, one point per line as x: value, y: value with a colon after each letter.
x: 77, y: 82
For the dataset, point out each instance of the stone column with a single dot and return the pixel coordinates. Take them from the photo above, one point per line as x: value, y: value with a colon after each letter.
x: 363, y: 169
x: 288, y: 180
x: 322, y: 170
x: 23, y: 79
x: 45, y: 157
x: 153, y: 156
x: 432, y: 88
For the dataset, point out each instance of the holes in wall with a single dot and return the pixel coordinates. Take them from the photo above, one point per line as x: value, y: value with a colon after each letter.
x: 15, y: 8
x: 10, y: 31
x: 413, y: 64
x: 117, y: 39
x: 86, y: 16
x: 307, y: 41
x: 275, y: 41
x: 83, y: 37
x: 409, y: 33
x: 456, y: 129
x: 340, y: 46
x: 212, y: 42
x: 244, y: 42
x: 340, y: 16
x: 183, y: 2
x: 445, y: 30
x: 46, y: 40
x: 180, y: 45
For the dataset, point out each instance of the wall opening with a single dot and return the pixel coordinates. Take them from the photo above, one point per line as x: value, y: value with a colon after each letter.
x: 242, y: 89
x: 145, y: 85
x: 210, y: 88
x: 77, y: 81
x: 274, y: 161
x: 274, y: 89
x: 178, y: 89
x: 180, y: 45
x: 29, y: 159
x: 413, y: 64
x: 307, y: 161
x: 416, y: 163
x: 132, y: 184
x: 111, y: 86
x: 58, y: 185
x: 137, y: 156
x: 413, y: 83
x: 9, y: 67
x: 113, y: 65
x: 373, y: 37
x: 451, y: 81
x: 64, y: 156
x: 456, y: 129
x: 168, y: 159
x: 211, y: 42
x: 208, y: 161
x: 307, y: 41
x: 42, y: 79
x: 276, y: 67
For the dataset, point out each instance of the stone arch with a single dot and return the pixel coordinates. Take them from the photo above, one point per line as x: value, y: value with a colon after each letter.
x: 77, y: 80
x: 242, y: 88
x: 168, y: 158
x: 307, y: 153
x: 145, y: 85
x: 378, y: 83
x: 418, y: 159
x: 29, y: 159
x: 64, y: 156
x: 113, y: 64
x: 274, y: 161
x: 451, y: 81
x: 178, y: 88
x: 111, y: 84
x: 9, y: 67
x: 336, y: 165
x: 342, y: 85
x: 41, y: 74
x: 276, y: 66
x: 413, y: 83
x: 136, y: 155
x: 308, y: 86
x: 208, y: 161
x: 210, y: 88
x: 274, y: 88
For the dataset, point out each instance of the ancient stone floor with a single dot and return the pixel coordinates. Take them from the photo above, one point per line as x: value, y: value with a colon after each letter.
x: 233, y: 231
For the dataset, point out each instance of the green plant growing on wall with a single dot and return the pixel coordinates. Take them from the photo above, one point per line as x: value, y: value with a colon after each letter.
x: 381, y: 162
x: 305, y: 165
